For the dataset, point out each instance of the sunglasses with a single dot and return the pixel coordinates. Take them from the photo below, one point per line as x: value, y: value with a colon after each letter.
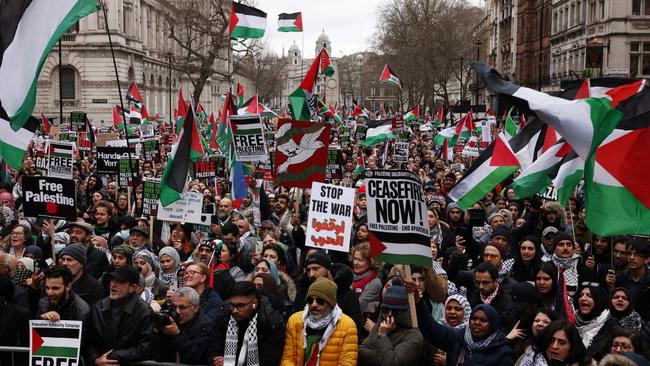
x: 318, y: 300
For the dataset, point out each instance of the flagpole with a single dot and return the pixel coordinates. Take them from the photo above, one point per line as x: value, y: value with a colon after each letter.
x: 119, y: 89
x: 60, y: 85
x: 302, y: 54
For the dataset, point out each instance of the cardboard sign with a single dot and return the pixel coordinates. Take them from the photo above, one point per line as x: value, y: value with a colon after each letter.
x: 398, y: 123
x: 397, y: 217
x: 360, y: 133
x: 265, y: 168
x: 54, y: 343
x: 248, y: 137
x: 102, y: 138
x: 60, y: 159
x: 205, y: 169
x: 129, y: 172
x: 471, y: 149
x: 78, y: 121
x: 401, y: 154
x: 146, y: 130
x: 49, y: 197
x: 329, y: 225
x: 108, y: 159
x: 187, y: 209
x: 150, y: 196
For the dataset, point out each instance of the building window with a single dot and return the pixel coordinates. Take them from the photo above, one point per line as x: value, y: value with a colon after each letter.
x: 640, y: 58
x: 640, y: 7
x: 67, y: 83
x: 602, y: 9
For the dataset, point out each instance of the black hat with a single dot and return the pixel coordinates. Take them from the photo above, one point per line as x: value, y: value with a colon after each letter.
x: 128, y: 274
x: 320, y: 258
x: 139, y: 230
x: 429, y: 187
x: 522, y: 294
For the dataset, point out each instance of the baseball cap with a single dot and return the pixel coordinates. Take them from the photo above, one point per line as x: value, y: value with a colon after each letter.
x: 549, y: 230
x: 126, y: 274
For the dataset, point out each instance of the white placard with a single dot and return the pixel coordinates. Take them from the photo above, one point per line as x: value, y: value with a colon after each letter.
x: 330, y: 217
x: 187, y: 209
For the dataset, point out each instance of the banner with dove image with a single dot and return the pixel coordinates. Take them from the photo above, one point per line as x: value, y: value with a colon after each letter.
x: 301, y: 153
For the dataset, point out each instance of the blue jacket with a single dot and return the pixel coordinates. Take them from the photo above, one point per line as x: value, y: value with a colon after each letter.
x: 451, y: 340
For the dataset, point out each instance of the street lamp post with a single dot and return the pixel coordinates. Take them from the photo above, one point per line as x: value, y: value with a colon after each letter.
x: 478, y: 44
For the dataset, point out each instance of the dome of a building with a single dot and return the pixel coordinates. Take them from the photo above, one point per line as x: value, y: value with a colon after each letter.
x: 294, y: 48
x: 323, y: 38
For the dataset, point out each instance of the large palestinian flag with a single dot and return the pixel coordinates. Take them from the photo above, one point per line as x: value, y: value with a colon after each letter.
x: 378, y: 132
x: 28, y: 31
x: 412, y: 115
x: 301, y: 153
x: 495, y: 164
x: 610, y: 133
x: 246, y: 21
x: 290, y: 22
x: 188, y: 149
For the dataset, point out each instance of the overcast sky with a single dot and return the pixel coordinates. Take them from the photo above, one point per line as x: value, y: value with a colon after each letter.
x: 350, y: 24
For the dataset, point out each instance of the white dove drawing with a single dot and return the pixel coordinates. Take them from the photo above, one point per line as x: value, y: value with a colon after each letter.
x: 298, y: 153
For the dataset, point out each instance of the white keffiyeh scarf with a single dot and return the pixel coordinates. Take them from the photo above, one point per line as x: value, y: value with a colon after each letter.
x: 328, y: 322
x: 248, y: 355
x: 570, y: 266
x: 588, y: 329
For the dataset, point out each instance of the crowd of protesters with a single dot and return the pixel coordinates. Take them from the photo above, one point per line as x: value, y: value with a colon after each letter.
x: 246, y: 294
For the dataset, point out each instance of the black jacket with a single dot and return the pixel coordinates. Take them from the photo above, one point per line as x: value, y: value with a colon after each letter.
x: 191, y: 344
x: 75, y: 308
x: 128, y: 334
x: 270, y: 333
x: 14, y: 331
x: 89, y: 289
x: 97, y: 262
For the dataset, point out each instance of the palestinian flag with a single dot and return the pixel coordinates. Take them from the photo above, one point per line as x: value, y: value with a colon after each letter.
x: 448, y: 135
x: 90, y: 132
x: 145, y: 115
x: 304, y: 99
x: 412, y: 115
x: 46, y: 124
x: 135, y: 118
x: 213, y: 132
x: 591, y: 88
x: 55, y: 342
x: 510, y: 127
x: 529, y: 142
x: 570, y: 173
x: 181, y: 111
x: 224, y: 134
x: 134, y: 96
x: 188, y: 149
x: 246, y: 21
x: 301, y: 153
x: 389, y: 77
x: 494, y: 165
x: 118, y: 121
x: 326, y: 65
x: 562, y: 302
x: 240, y: 95
x: 610, y: 134
x: 439, y: 119
x: 253, y: 106
x: 464, y: 129
x: 361, y: 165
x: 446, y: 151
x: 378, y: 132
x: 359, y: 112
x: 29, y: 30
x: 290, y: 22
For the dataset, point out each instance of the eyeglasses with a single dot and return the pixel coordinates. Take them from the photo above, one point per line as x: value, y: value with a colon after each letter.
x: 191, y: 273
x: 318, y: 300
x: 17, y: 233
x: 239, y: 307
x: 623, y: 346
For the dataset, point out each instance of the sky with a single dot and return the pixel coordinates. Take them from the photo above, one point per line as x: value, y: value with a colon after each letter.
x: 350, y: 24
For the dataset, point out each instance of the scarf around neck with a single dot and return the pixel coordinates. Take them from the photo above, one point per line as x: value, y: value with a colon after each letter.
x: 570, y: 266
x: 327, y: 322
x: 248, y: 355
x: 490, y: 298
x: 475, y: 346
x: 589, y: 329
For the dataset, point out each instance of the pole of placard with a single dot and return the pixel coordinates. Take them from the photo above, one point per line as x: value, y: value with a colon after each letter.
x: 128, y: 197
x: 151, y: 229
x: 407, y: 275
x: 60, y: 84
x: 119, y: 91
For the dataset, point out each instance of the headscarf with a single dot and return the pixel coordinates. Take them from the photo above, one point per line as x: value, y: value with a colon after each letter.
x: 274, y: 271
x: 173, y: 254
x: 627, y: 318
x: 475, y: 345
x: 590, y: 324
x: 467, y: 308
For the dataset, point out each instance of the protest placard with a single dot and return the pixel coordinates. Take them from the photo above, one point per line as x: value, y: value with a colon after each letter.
x: 398, y: 124
x: 205, y: 169
x: 60, y: 159
x: 150, y: 196
x: 129, y: 172
x: 187, y: 209
x: 329, y: 225
x: 102, y: 138
x: 78, y: 121
x: 401, y: 154
x: 151, y: 149
x: 248, y: 137
x: 49, y: 197
x: 54, y: 343
x: 397, y: 217
x: 301, y: 153
x: 108, y: 158
x: 334, y: 163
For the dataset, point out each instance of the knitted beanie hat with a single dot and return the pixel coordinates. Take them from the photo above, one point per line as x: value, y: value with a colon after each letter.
x: 77, y: 252
x: 395, y: 297
x: 325, y: 289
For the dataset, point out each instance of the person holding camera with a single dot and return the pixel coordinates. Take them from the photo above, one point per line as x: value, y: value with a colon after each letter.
x: 120, y: 325
x: 181, y: 331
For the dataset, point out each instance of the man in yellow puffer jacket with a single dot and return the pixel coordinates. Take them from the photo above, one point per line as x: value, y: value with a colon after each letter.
x: 321, y: 334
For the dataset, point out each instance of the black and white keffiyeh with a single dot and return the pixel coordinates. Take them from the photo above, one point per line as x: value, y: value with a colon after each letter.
x: 248, y: 355
x: 328, y: 322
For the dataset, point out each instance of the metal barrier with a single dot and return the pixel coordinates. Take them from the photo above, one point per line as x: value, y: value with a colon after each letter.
x: 15, y: 350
